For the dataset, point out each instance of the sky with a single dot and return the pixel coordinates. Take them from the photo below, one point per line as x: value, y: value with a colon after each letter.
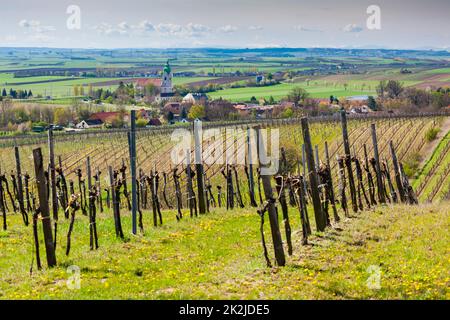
x: 403, y: 24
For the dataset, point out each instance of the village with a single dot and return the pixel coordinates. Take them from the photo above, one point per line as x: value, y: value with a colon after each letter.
x: 176, y: 109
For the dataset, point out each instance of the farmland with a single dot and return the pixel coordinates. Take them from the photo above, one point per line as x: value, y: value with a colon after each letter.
x: 351, y: 193
x: 54, y: 72
x: 202, y: 256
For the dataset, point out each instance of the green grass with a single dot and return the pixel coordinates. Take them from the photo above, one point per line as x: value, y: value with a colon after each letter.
x: 219, y: 256
x: 65, y: 88
x: 432, y: 160
x: 282, y: 90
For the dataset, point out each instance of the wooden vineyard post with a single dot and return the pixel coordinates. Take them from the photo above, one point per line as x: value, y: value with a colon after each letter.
x: 369, y: 177
x: 312, y: 177
x: 115, y: 204
x: 44, y: 207
x: 51, y: 148
x: 281, y: 180
x: 398, y: 179
x: 190, y: 189
x: 305, y: 187
x: 20, y: 187
x: 93, y: 239
x: 317, y: 161
x: 2, y: 206
x: 251, y: 182
x: 52, y: 182
x: 348, y: 161
x: 133, y: 172
x: 199, y: 166
x: 332, y: 196
x: 272, y: 211
x: 381, y: 194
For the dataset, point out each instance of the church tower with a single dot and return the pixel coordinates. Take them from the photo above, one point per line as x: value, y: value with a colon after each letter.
x: 166, y: 83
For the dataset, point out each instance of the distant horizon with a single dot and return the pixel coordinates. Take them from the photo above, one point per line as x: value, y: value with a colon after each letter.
x: 426, y: 49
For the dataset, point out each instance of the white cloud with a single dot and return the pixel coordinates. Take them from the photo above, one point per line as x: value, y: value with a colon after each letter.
x: 255, y: 28
x: 124, y: 26
x: 35, y: 26
x: 352, y: 28
x: 228, y: 29
x: 305, y: 29
x: 169, y: 28
x: 145, y: 26
x: 109, y: 30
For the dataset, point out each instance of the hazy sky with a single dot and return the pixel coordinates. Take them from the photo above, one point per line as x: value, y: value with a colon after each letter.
x: 230, y: 23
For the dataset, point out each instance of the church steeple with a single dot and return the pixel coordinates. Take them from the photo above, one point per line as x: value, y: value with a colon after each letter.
x: 166, y: 84
x: 167, y: 68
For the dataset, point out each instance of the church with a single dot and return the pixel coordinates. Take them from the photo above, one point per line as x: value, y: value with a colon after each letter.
x: 164, y: 84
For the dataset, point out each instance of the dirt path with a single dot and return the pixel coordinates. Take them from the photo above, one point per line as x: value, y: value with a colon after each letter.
x: 429, y: 147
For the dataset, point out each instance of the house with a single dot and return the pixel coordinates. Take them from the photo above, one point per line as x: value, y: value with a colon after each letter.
x: 141, y: 83
x: 109, y: 116
x: 247, y: 109
x: 89, y: 124
x: 174, y: 107
x: 195, y: 98
x: 143, y: 114
x: 164, y: 84
x: 154, y: 122
x: 259, y: 78
x: 360, y: 109
x: 357, y: 98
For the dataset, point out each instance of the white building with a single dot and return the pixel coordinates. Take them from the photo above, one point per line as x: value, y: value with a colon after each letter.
x: 166, y: 83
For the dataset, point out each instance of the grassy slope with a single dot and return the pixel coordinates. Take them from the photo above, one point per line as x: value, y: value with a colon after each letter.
x: 281, y: 90
x: 219, y: 256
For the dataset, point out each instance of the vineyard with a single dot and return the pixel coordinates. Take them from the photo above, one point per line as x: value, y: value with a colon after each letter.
x: 55, y: 187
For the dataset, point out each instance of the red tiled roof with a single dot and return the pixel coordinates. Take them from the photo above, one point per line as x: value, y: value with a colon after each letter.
x: 142, y: 82
x: 154, y: 122
x: 104, y: 116
x: 174, y: 107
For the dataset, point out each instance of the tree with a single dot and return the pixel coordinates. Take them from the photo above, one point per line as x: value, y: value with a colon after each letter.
x: 381, y: 89
x: 117, y: 122
x: 63, y: 116
x: 394, y: 89
x: 4, y: 94
x: 287, y: 113
x: 30, y: 94
x: 197, y: 111
x: 141, y: 123
x: 150, y: 90
x: 90, y: 90
x: 170, y: 116
x: 372, y: 104
x: 297, y: 95
x: 183, y: 114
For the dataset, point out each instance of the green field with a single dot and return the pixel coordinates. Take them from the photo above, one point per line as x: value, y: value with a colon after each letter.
x: 327, y: 73
x: 65, y: 88
x: 219, y: 256
x: 281, y: 91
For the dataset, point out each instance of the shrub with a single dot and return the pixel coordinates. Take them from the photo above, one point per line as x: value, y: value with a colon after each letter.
x: 411, y: 165
x: 141, y: 123
x: 431, y: 134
